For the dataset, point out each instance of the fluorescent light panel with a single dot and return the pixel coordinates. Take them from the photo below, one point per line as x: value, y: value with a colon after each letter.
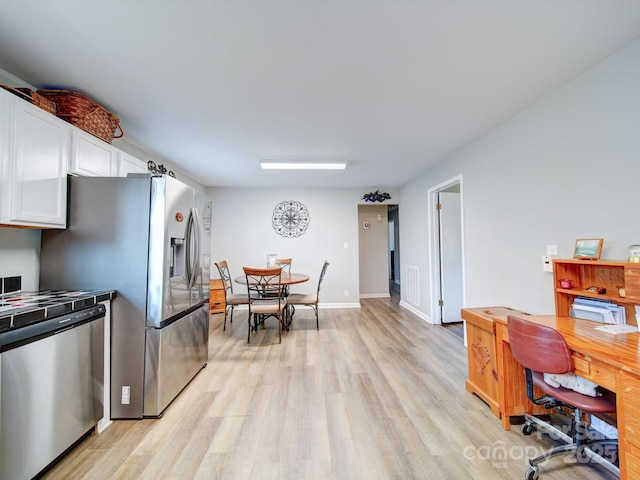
x: 273, y: 165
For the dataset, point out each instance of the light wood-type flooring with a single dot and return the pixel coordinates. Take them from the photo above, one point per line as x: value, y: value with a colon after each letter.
x: 377, y: 393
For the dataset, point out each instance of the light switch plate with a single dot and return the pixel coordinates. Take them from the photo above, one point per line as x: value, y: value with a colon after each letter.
x: 552, y: 250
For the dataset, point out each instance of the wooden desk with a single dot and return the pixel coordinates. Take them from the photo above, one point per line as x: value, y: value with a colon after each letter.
x: 612, y: 361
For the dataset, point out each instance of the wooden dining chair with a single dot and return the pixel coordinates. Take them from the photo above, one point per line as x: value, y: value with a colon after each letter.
x: 264, y: 291
x: 284, y: 263
x: 311, y: 299
x: 231, y: 299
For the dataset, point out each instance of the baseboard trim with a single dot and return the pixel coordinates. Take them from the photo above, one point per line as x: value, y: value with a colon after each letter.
x: 321, y: 306
x: 375, y: 295
x: 416, y: 312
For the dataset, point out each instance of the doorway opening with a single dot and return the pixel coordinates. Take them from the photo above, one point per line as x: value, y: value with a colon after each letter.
x: 379, y: 252
x: 393, y: 218
x: 447, y: 253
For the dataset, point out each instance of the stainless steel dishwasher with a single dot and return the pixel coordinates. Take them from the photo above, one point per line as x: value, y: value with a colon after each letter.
x: 51, y: 389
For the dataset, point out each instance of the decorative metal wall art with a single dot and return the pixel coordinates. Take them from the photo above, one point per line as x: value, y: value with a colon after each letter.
x: 376, y: 196
x: 153, y: 168
x: 290, y: 219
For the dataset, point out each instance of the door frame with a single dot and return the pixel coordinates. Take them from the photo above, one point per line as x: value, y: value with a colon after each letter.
x: 434, y: 241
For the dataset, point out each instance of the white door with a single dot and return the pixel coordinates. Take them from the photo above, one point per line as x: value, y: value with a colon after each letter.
x: 450, y: 229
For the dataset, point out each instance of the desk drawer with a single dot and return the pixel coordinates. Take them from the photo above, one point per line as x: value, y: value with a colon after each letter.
x: 594, y: 371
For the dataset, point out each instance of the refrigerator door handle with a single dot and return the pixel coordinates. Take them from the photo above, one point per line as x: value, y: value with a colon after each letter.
x: 193, y: 233
x: 197, y: 233
x: 188, y: 264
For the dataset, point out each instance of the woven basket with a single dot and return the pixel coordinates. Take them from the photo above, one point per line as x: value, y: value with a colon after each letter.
x: 84, y: 113
x: 32, y: 97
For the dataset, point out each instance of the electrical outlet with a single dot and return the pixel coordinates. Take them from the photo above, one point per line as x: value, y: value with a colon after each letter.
x: 11, y: 284
x: 346, y: 293
x: 126, y: 395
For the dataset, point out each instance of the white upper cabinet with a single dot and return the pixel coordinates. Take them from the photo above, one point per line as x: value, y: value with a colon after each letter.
x: 128, y: 164
x: 34, y: 149
x: 90, y: 156
x: 37, y: 150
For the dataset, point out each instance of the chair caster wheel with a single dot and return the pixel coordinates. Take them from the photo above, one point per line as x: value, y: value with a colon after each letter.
x: 531, y: 474
x: 527, y: 429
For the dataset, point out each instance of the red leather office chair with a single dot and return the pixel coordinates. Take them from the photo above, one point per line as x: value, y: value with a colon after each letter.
x: 539, y: 349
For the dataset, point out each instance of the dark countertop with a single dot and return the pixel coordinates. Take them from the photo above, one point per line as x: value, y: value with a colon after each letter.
x: 18, y: 309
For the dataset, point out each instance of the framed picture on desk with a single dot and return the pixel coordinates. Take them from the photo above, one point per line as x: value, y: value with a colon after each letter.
x: 588, y: 248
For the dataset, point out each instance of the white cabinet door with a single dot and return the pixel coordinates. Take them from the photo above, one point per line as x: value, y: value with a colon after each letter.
x: 129, y: 164
x: 33, y: 162
x: 90, y: 156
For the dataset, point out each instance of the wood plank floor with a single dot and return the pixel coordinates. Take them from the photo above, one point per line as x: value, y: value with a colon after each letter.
x: 375, y: 394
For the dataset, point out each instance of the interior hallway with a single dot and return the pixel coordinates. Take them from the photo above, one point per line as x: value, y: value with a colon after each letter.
x: 375, y: 394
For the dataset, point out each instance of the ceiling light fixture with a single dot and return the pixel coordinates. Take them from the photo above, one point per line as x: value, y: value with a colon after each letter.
x: 274, y: 165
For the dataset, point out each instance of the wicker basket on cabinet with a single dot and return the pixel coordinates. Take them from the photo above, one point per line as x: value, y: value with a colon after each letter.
x: 84, y: 113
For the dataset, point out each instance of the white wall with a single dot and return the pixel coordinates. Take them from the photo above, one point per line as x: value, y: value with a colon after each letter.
x: 243, y: 235
x: 19, y: 255
x: 567, y: 167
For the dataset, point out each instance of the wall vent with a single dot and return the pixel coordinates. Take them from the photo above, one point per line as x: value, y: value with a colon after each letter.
x: 411, y: 285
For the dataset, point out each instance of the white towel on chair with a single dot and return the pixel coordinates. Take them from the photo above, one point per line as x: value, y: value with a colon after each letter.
x: 572, y: 382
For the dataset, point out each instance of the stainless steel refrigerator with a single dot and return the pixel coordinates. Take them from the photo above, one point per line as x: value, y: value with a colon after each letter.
x: 148, y: 237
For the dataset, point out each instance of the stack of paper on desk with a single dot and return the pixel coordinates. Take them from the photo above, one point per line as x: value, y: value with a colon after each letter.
x: 615, y: 329
x: 602, y: 311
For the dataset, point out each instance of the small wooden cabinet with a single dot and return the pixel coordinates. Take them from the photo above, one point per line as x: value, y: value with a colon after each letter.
x: 216, y: 296
x: 484, y: 355
x: 607, y: 274
x: 481, y: 355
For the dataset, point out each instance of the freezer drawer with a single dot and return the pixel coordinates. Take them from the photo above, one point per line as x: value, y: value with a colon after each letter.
x: 174, y: 355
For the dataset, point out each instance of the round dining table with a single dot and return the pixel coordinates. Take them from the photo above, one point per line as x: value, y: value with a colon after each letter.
x: 285, y: 279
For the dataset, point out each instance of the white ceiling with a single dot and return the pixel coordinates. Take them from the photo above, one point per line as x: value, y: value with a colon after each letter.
x: 391, y: 87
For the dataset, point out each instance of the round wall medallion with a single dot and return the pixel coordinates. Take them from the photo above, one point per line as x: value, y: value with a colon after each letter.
x: 290, y: 219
